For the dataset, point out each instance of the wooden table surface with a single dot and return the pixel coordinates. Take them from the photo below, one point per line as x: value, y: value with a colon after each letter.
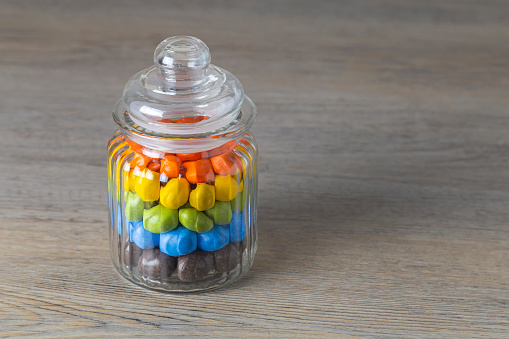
x: 384, y: 180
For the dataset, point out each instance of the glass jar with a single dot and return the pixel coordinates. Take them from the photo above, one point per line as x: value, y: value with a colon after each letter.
x: 182, y: 179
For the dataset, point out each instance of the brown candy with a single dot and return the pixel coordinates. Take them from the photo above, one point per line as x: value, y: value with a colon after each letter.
x: 131, y: 253
x: 227, y: 258
x: 241, y: 245
x: 195, y: 266
x: 155, y: 264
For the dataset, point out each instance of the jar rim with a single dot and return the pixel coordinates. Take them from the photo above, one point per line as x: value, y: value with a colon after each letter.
x: 243, y: 119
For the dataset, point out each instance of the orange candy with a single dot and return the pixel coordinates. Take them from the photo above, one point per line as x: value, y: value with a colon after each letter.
x: 226, y: 163
x: 199, y: 171
x: 141, y: 161
x: 222, y: 149
x: 192, y: 156
x: 154, y: 165
x: 136, y: 147
x: 170, y: 166
x: 191, y: 120
x: 186, y: 120
x: 166, y: 121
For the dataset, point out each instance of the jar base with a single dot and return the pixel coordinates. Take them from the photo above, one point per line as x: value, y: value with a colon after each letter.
x: 212, y: 281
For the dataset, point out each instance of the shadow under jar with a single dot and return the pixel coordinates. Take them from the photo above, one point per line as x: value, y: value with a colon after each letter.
x: 182, y: 179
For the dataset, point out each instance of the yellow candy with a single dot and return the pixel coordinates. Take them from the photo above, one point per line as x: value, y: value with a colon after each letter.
x: 202, y: 197
x: 132, y: 181
x: 118, y: 165
x: 226, y: 187
x: 129, y: 178
x: 118, y: 169
x: 236, y: 176
x: 175, y: 193
x: 241, y: 186
x: 125, y: 173
x: 244, y: 163
x: 244, y: 168
x: 113, y: 148
x: 146, y: 184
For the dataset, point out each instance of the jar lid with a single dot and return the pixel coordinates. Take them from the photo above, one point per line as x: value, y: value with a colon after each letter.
x: 183, y: 103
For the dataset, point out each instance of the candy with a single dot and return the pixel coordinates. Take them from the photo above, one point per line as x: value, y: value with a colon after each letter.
x: 175, y: 193
x: 133, y: 207
x: 131, y: 253
x: 199, y: 171
x: 195, y: 266
x: 129, y: 179
x: 141, y: 237
x: 126, y: 172
x: 111, y: 209
x: 170, y: 166
x: 221, y: 213
x: 186, y: 205
x: 179, y: 241
x: 147, y: 184
x: 185, y: 120
x: 237, y: 175
x: 156, y: 265
x: 239, y: 201
x: 240, y: 245
x: 237, y: 227
x: 119, y: 165
x: 114, y: 141
x: 226, y: 163
x: 196, y: 221
x: 227, y: 258
x: 172, y: 227
x: 149, y: 204
x: 249, y: 158
x: 202, y: 197
x: 214, y: 239
x: 160, y: 219
x: 119, y: 219
x: 244, y: 170
x: 226, y: 187
x: 222, y: 149
x: 154, y: 165
x: 135, y: 146
x: 190, y: 120
x: 141, y: 161
x: 192, y: 156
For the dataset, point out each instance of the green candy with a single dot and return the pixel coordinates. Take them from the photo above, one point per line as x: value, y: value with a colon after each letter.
x: 221, y: 213
x: 160, y: 219
x: 133, y: 207
x: 186, y: 205
x: 196, y: 221
x: 149, y: 204
x: 239, y: 201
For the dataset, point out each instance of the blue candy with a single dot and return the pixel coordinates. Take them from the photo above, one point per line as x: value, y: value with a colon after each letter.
x: 179, y: 241
x: 237, y: 227
x: 119, y: 219
x: 141, y: 237
x: 214, y: 239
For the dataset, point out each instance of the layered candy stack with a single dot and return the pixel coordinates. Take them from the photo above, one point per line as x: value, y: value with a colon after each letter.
x: 184, y: 212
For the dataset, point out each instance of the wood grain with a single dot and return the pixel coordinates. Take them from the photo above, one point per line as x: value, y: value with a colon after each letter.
x: 384, y: 179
